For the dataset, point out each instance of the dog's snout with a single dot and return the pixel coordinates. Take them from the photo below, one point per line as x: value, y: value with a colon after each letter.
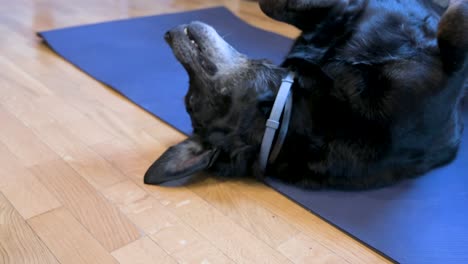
x: 168, y: 36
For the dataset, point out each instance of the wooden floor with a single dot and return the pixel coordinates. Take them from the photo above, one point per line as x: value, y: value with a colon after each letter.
x: 73, y: 153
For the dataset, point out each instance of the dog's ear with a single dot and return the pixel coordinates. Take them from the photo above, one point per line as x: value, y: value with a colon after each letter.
x: 452, y: 35
x: 179, y: 161
x: 306, y: 14
x: 265, y: 102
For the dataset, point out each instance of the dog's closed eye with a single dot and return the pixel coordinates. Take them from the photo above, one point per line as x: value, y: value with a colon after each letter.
x: 265, y: 102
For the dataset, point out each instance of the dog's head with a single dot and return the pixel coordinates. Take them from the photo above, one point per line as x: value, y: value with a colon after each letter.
x: 227, y: 97
x: 352, y: 45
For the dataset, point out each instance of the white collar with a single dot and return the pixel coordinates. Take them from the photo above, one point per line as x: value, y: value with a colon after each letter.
x: 283, y: 101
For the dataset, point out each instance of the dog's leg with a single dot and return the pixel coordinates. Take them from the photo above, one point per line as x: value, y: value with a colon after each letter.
x: 452, y: 35
x: 306, y: 14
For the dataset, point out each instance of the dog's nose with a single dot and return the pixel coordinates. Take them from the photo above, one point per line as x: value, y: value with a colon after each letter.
x: 168, y: 36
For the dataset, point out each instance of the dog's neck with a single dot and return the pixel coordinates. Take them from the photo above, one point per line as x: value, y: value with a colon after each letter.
x: 282, y: 107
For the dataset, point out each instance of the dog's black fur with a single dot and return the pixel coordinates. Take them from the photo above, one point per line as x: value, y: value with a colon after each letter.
x: 376, y: 98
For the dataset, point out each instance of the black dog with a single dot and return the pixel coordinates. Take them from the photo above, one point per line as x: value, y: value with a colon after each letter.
x: 376, y: 96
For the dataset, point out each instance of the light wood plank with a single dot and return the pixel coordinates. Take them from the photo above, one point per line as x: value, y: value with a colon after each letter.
x: 310, y: 224
x: 18, y: 243
x: 22, y: 142
x: 114, y: 113
x: 234, y: 241
x: 303, y: 249
x: 22, y: 106
x: 142, y: 209
x: 23, y: 190
x: 91, y: 209
x: 124, y: 154
x: 142, y: 251
x: 177, y: 238
x: 68, y: 240
x: 97, y: 171
x: 28, y: 195
x: 39, y: 112
x: 9, y: 165
x: 171, y: 234
x: 16, y: 77
x: 201, y: 252
x: 188, y: 246
x: 264, y: 224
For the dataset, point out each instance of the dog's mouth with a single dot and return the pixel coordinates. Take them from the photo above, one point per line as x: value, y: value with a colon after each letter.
x: 192, y: 37
x: 201, y: 49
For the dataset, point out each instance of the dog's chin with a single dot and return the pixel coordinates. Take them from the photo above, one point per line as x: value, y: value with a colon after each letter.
x: 201, y: 50
x: 189, y: 50
x: 195, y: 62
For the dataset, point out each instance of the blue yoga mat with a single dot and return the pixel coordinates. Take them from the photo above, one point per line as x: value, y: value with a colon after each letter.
x: 423, y: 220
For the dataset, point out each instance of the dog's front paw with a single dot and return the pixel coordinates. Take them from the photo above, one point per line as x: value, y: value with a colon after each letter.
x: 306, y: 14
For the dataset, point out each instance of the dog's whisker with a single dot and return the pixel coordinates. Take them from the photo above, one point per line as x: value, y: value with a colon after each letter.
x: 226, y: 35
